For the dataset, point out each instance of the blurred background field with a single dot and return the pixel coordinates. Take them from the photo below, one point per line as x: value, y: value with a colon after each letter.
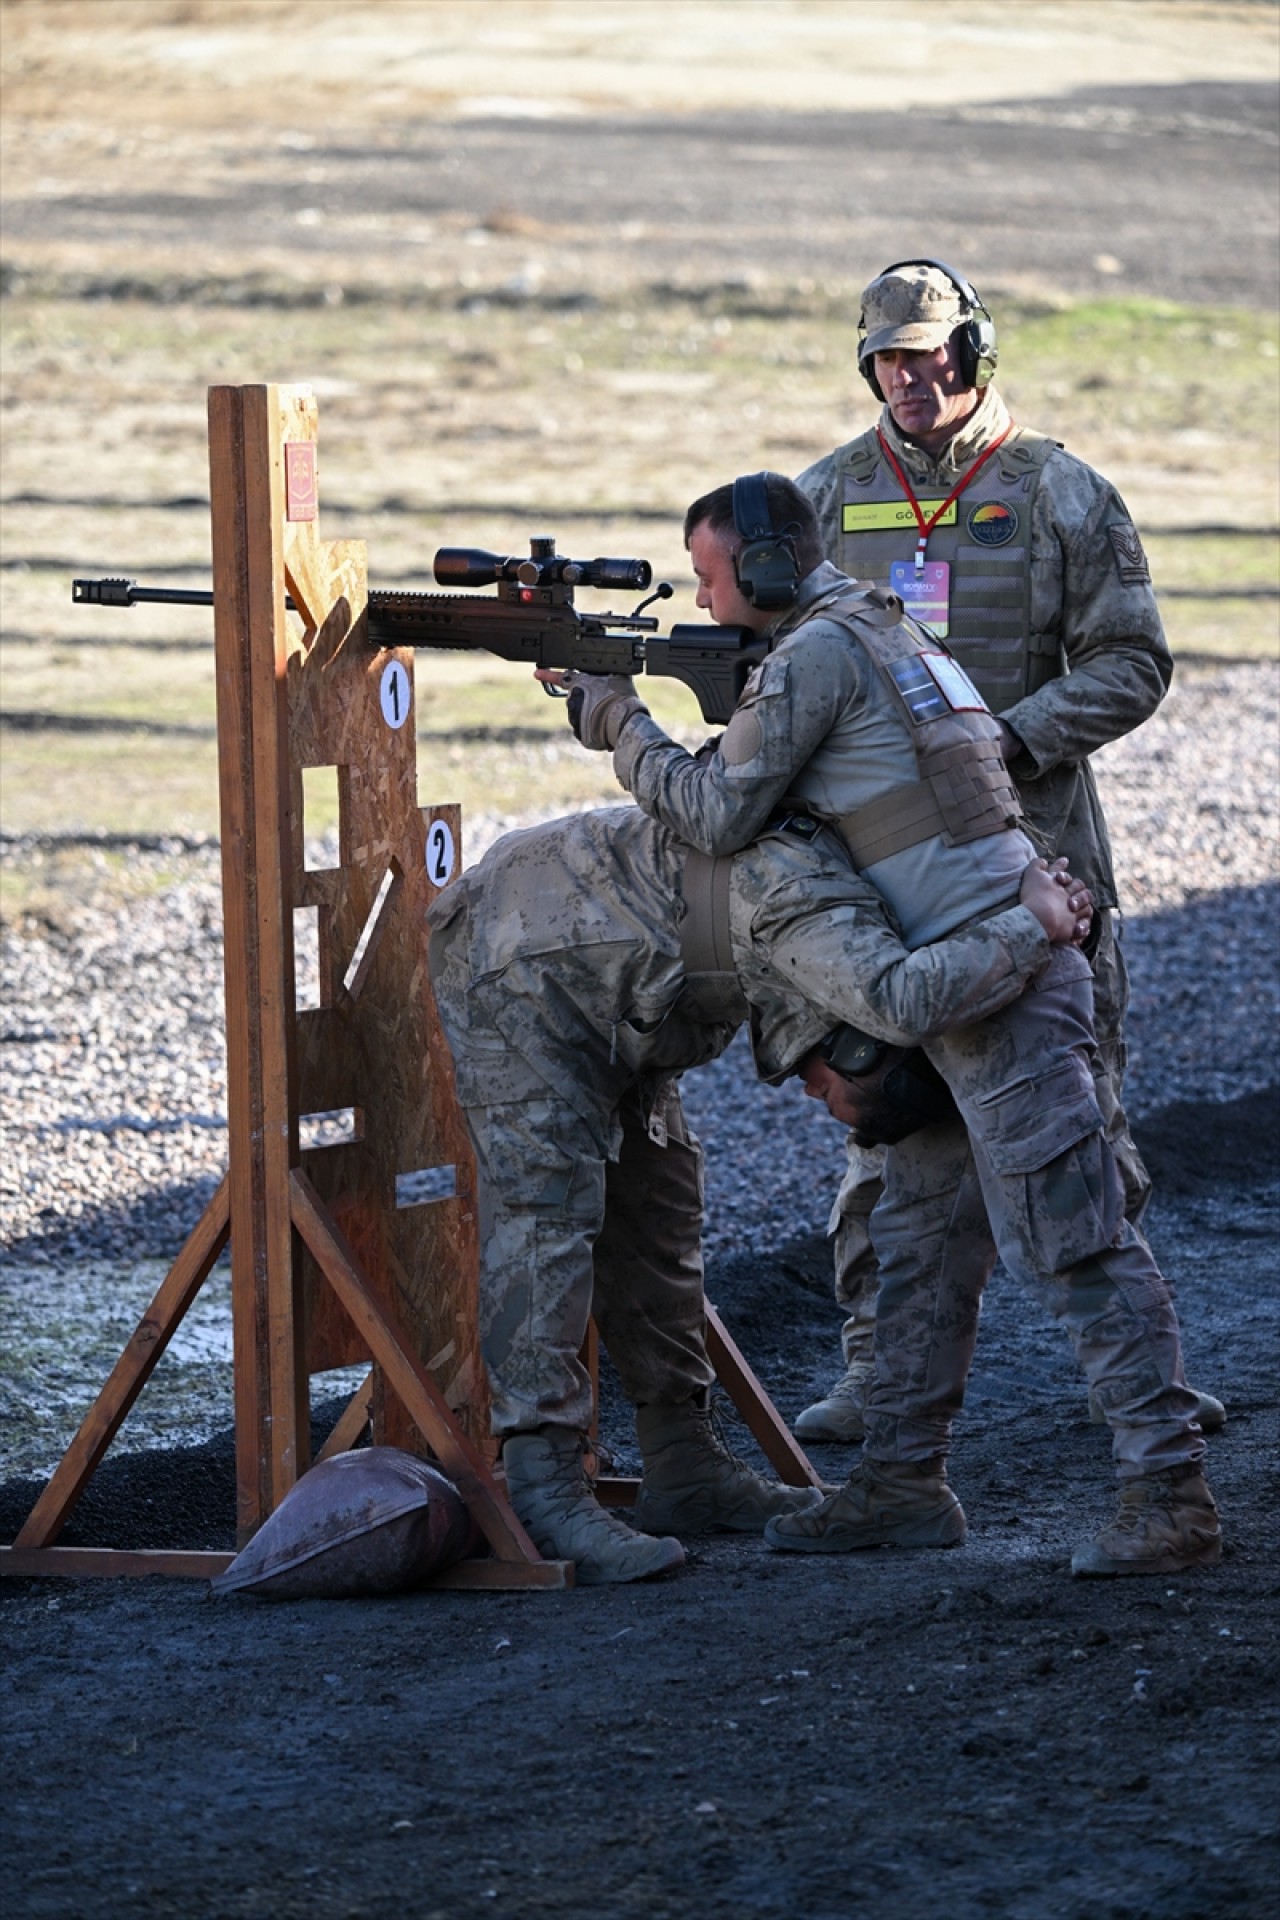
x: 567, y: 303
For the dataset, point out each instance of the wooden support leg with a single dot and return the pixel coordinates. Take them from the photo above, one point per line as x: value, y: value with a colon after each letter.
x: 417, y: 1390
x: 351, y: 1423
x: 130, y: 1374
x: 757, y: 1409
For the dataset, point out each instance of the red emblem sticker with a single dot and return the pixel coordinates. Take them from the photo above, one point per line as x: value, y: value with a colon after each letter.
x: 299, y: 479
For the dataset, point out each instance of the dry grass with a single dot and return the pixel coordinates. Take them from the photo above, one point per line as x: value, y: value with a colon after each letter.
x: 457, y: 407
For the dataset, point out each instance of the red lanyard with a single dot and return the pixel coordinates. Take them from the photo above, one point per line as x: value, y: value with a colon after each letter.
x: 927, y: 526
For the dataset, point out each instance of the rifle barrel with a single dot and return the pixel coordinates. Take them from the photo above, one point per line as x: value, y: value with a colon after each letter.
x: 127, y: 593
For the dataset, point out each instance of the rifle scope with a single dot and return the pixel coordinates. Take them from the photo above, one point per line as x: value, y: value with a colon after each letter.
x: 544, y: 567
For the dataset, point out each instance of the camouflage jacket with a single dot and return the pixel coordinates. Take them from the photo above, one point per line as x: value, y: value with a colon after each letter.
x: 817, y: 726
x: 557, y: 960
x: 1090, y: 594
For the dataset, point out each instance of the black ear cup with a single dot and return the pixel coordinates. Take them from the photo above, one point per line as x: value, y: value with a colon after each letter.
x: 768, y: 575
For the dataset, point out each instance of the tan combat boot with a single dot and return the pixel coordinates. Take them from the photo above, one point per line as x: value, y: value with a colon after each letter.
x: 883, y: 1503
x: 838, y: 1415
x: 548, y: 1488
x: 693, y: 1484
x: 1166, y: 1521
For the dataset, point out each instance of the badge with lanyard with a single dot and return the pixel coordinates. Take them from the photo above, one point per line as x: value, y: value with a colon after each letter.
x: 925, y: 592
x: 924, y: 586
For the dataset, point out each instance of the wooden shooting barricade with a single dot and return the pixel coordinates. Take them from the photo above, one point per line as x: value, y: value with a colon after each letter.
x: 358, y: 1244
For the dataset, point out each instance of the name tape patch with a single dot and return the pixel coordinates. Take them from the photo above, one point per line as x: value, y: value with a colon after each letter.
x: 871, y: 516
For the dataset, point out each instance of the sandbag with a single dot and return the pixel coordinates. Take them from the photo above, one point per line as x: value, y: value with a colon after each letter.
x: 378, y: 1520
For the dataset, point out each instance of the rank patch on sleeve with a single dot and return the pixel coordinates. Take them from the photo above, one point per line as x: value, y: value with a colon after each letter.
x: 1131, y: 561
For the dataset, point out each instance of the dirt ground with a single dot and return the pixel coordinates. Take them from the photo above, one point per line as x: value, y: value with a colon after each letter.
x: 967, y: 1734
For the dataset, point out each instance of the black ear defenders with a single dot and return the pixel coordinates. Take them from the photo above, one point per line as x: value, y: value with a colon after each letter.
x: 975, y: 337
x: 767, y: 569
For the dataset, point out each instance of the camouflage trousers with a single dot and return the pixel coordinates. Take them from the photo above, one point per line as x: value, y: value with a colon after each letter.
x: 857, y: 1271
x: 566, y: 1233
x: 1030, y: 1176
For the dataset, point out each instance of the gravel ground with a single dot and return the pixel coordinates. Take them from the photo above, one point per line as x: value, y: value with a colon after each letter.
x: 114, y: 1084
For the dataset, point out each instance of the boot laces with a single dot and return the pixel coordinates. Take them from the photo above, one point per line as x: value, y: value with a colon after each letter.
x: 569, y: 1471
x: 1141, y: 1500
x: 717, y: 1418
x: 577, y: 1482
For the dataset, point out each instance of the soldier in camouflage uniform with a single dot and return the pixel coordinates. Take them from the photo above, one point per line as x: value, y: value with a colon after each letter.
x: 859, y: 717
x: 1027, y: 563
x: 577, y: 968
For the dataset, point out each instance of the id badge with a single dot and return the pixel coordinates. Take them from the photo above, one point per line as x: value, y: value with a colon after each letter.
x: 925, y: 594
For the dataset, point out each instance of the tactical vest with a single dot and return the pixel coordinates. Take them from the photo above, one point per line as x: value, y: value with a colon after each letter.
x: 987, y: 545
x: 964, y: 791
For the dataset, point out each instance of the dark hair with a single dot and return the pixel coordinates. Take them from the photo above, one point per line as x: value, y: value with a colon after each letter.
x: 790, y: 512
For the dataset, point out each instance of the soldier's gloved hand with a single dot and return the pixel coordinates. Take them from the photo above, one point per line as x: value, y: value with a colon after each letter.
x: 600, y: 706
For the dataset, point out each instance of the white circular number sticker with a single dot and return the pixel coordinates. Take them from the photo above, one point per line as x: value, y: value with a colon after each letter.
x: 439, y: 853
x: 395, y: 694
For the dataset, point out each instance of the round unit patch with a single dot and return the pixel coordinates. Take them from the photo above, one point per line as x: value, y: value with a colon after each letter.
x: 993, y: 524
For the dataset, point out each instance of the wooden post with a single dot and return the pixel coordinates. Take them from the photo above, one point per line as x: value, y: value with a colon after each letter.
x: 251, y: 652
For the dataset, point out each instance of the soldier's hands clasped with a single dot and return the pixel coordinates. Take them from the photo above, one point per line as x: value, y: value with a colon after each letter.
x: 1062, y: 904
x: 600, y: 706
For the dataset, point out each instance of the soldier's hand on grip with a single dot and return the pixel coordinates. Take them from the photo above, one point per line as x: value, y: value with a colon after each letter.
x: 600, y: 706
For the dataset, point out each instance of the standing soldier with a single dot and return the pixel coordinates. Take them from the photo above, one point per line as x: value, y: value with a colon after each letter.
x: 1027, y: 563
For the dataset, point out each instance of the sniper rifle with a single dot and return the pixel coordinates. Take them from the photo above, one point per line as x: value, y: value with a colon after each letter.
x: 532, y: 619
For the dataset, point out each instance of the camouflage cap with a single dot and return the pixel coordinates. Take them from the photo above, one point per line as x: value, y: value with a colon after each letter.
x: 914, y: 306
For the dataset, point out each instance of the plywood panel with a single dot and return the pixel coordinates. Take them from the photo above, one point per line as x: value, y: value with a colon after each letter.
x: 377, y: 1049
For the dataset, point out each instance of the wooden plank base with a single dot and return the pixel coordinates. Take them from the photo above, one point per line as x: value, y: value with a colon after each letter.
x: 109, y: 1563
